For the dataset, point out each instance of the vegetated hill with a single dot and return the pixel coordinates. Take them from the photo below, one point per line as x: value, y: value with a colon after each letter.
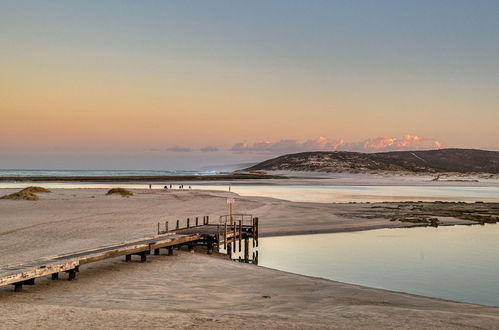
x: 432, y: 161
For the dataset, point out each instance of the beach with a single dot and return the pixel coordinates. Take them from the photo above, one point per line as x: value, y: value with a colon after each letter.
x: 197, y: 290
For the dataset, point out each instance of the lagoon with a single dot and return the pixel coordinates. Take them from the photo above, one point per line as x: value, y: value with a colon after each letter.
x: 457, y: 263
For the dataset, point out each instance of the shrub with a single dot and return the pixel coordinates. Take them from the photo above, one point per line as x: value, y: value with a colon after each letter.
x: 21, y: 195
x: 121, y: 191
x: 34, y: 189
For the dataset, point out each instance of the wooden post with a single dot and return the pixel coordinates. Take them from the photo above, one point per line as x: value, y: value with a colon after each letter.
x: 143, y: 257
x: 197, y: 224
x: 256, y: 232
x: 72, y: 274
x: 207, y: 219
x: 170, y: 250
x: 18, y: 287
x: 218, y: 238
x: 188, y: 222
x: 225, y: 236
x: 234, y: 235
x: 190, y: 247
x: 246, y: 249
x: 128, y: 258
x: 158, y: 228
x: 240, y: 233
x: 229, y: 250
x: 178, y: 224
x: 253, y: 230
x: 156, y: 252
x: 256, y: 258
x: 166, y: 226
x: 55, y: 276
x: 209, y: 247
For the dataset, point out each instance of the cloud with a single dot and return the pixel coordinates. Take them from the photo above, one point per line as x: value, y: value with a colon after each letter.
x: 384, y: 143
x: 209, y: 149
x: 178, y: 149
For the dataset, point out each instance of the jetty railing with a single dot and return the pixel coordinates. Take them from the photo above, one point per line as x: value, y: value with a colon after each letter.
x: 195, y: 231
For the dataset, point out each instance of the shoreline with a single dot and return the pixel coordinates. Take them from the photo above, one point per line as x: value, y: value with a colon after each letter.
x: 177, y: 289
x: 145, y: 178
x: 109, y: 295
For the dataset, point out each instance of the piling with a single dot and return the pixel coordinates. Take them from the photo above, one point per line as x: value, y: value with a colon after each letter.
x: 256, y: 232
x: 218, y: 238
x: 246, y: 249
x: 225, y: 236
x: 234, y: 234
x: 240, y: 233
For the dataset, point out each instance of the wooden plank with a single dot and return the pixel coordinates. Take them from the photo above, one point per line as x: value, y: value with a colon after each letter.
x: 38, y: 272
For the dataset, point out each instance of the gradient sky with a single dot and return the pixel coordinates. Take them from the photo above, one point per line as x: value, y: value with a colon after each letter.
x: 114, y: 84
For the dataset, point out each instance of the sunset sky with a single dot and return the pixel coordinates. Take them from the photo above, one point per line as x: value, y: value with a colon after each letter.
x: 189, y: 84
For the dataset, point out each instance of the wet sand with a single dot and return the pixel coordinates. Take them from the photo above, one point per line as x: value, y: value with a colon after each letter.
x: 196, y: 290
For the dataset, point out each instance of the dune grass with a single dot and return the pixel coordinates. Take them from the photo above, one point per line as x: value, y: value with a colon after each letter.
x: 22, y: 195
x: 27, y: 194
x: 35, y: 189
x: 121, y: 191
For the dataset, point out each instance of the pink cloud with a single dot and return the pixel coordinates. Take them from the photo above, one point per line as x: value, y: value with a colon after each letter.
x: 379, y: 144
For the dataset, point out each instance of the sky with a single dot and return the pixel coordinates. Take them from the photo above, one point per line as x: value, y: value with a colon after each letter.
x: 189, y: 84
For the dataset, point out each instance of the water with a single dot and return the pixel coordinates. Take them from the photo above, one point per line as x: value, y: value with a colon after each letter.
x: 311, y: 193
x: 345, y: 194
x: 457, y: 263
x: 20, y: 173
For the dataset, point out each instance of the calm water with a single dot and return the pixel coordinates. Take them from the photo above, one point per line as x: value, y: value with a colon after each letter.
x: 343, y: 194
x: 458, y: 263
x: 14, y: 172
x: 316, y: 194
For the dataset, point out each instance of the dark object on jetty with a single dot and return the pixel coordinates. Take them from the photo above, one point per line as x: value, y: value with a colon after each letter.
x: 201, y: 234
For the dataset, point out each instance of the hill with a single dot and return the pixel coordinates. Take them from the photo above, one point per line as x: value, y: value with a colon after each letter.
x: 421, y: 161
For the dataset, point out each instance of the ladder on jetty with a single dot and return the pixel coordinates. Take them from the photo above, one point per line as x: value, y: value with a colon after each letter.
x: 206, y: 234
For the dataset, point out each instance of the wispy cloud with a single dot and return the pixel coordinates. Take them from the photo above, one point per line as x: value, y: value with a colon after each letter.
x: 384, y: 143
x: 208, y: 149
x: 178, y: 149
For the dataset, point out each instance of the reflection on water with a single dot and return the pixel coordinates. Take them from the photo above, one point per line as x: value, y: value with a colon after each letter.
x: 457, y: 263
x: 316, y: 194
x: 344, y: 194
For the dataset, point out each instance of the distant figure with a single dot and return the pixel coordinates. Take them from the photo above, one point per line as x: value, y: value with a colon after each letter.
x: 165, y: 187
x: 229, y: 187
x: 190, y: 187
x: 170, y: 186
x: 150, y: 186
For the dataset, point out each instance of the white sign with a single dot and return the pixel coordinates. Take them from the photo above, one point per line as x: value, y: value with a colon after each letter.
x: 231, y: 200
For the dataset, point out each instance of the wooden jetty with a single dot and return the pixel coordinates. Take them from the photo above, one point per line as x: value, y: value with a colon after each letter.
x: 222, y: 235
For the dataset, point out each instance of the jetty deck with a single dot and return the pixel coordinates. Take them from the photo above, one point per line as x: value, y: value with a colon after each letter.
x: 226, y: 232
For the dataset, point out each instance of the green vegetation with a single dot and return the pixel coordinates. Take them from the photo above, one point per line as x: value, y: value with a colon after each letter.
x: 21, y: 195
x: 121, y: 191
x: 35, y: 189
x: 27, y: 194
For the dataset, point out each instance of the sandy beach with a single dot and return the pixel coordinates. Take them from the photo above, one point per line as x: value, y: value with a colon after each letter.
x: 196, y: 290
